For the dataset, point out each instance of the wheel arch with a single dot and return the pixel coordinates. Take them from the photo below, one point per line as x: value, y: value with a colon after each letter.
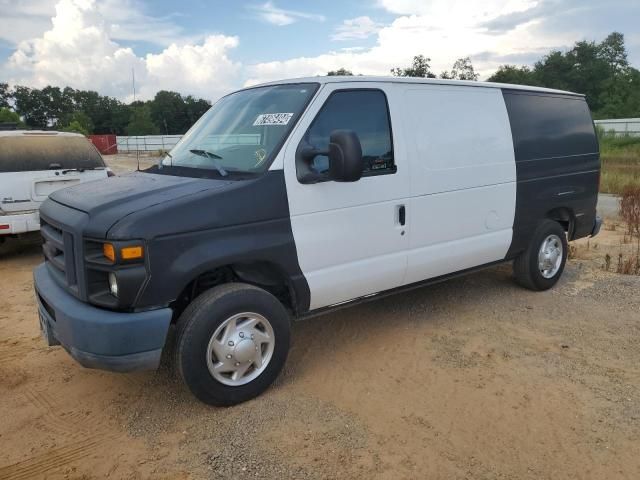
x: 565, y: 216
x: 261, y: 273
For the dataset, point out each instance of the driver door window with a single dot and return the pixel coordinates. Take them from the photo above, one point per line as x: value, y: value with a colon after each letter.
x: 366, y: 113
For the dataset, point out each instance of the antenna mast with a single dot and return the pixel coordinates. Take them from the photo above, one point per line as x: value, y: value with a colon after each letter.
x: 133, y: 82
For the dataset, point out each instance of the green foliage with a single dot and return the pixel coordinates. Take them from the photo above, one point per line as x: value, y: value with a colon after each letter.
x: 600, y: 71
x: 4, y: 95
x: 462, y: 70
x: 52, y: 107
x: 340, y: 72
x: 141, y: 122
x: 7, y: 116
x: 419, y: 68
x: 620, y: 158
x: 513, y: 74
x: 175, y: 114
x: 81, y: 119
x: 77, y: 127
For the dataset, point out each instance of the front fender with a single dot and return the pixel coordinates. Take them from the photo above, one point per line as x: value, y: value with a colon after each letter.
x: 177, y: 260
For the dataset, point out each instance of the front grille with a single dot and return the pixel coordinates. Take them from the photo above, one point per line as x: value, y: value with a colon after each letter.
x: 58, y: 252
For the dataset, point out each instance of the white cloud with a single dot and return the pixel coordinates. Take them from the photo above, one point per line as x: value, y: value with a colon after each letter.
x: 81, y: 44
x: 443, y: 30
x: 356, y: 29
x: 127, y: 20
x: 455, y: 11
x: 268, y: 12
x: 78, y: 50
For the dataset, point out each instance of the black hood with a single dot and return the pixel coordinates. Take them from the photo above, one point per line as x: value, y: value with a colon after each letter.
x: 110, y: 200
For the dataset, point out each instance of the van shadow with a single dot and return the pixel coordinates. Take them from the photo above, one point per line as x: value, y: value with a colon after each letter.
x: 450, y: 304
x: 423, y: 309
x: 28, y: 244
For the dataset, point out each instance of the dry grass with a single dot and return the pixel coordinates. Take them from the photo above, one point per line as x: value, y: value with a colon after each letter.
x: 630, y: 213
x: 620, y: 158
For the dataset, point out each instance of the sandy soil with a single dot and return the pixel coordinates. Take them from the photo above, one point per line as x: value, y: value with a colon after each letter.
x: 473, y: 378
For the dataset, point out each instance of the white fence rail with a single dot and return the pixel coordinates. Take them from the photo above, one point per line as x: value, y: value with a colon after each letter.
x: 147, y: 143
x: 620, y: 126
x: 155, y: 143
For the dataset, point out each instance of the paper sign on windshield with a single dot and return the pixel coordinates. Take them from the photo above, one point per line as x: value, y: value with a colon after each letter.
x: 273, y: 119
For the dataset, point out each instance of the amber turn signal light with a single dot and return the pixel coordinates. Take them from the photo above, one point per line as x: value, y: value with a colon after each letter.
x: 109, y: 252
x: 131, y: 253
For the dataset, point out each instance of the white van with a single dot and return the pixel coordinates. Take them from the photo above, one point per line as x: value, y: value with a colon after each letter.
x: 33, y: 164
x: 293, y: 198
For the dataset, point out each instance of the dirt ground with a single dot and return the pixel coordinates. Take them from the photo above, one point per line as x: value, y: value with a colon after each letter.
x: 474, y: 378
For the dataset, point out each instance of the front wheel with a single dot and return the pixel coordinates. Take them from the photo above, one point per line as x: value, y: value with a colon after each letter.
x: 540, y: 266
x: 233, y: 340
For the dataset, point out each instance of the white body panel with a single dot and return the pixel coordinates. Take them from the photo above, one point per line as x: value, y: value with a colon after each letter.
x: 455, y: 175
x: 21, y: 194
x: 463, y: 178
x: 347, y: 235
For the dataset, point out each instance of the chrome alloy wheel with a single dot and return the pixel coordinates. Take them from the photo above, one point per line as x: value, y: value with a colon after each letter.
x: 550, y: 256
x: 240, y: 349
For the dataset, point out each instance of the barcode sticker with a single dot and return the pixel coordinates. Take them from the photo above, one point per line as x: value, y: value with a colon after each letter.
x: 273, y: 119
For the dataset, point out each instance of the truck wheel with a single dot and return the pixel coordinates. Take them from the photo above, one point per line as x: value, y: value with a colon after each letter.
x: 232, y: 342
x: 540, y: 266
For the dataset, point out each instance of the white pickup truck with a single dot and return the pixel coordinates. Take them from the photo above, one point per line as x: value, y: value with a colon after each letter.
x: 34, y: 164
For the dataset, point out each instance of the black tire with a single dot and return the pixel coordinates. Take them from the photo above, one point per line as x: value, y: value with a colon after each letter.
x: 198, y: 323
x: 525, y: 266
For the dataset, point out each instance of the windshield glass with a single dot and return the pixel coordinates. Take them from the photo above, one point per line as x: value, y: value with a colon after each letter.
x: 29, y: 152
x: 242, y: 131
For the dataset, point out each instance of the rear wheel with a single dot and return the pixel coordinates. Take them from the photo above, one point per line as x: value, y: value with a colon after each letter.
x: 540, y: 266
x: 233, y: 340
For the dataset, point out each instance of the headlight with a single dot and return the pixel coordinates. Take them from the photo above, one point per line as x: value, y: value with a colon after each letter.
x: 113, y: 284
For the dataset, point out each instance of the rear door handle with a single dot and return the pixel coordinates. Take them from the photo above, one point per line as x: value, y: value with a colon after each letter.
x: 402, y: 215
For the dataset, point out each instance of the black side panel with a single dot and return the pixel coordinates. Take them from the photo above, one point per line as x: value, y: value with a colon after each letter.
x: 557, y: 163
x: 244, y: 223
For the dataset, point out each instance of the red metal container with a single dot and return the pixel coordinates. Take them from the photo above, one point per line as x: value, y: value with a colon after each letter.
x: 106, y: 144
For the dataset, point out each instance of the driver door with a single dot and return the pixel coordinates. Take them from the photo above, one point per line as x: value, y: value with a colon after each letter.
x: 351, y: 237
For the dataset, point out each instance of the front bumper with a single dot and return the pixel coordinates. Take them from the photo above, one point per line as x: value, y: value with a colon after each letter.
x: 19, y: 223
x: 98, y: 338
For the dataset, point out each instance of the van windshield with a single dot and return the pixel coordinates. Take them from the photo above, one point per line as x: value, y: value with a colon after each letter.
x: 242, y: 132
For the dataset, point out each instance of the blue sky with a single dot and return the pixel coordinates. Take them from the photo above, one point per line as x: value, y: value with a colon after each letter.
x: 208, y: 47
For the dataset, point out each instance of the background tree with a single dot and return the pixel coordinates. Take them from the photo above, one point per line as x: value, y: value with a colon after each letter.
x: 195, y: 108
x: 462, y: 70
x: 168, y: 112
x: 513, y: 74
x: 5, y: 95
x: 7, y: 116
x: 599, y: 70
x: 76, y: 127
x: 81, y: 120
x: 419, y: 68
x: 340, y: 72
x: 141, y: 122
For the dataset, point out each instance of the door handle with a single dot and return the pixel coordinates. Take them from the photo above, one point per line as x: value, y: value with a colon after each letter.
x: 402, y: 215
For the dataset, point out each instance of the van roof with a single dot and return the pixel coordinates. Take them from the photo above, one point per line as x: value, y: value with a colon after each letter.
x: 37, y: 133
x: 416, y: 80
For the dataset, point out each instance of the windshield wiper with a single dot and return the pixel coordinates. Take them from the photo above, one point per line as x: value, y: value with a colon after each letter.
x: 214, y: 159
x: 161, y: 159
x: 81, y: 169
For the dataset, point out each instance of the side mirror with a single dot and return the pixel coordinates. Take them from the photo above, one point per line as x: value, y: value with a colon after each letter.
x: 345, y: 156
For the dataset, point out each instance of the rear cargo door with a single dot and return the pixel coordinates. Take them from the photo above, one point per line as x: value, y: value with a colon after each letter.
x: 45, y: 183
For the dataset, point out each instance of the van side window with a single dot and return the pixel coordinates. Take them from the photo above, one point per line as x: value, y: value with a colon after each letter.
x: 366, y: 113
x: 549, y: 126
